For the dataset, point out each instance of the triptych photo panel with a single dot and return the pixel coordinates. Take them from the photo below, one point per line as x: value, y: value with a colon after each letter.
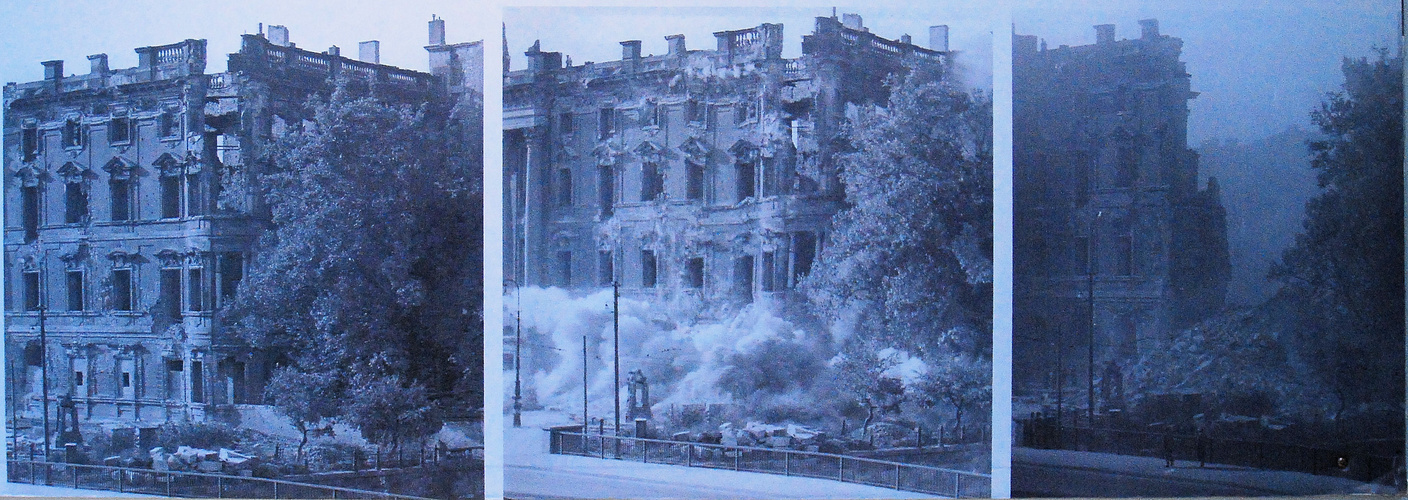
x: 705, y: 251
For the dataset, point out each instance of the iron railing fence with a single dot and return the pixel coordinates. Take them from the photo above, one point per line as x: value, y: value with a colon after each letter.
x: 1351, y: 464
x: 868, y: 471
x: 178, y: 484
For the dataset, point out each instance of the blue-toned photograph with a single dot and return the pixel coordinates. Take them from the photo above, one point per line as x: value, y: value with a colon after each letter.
x: 748, y: 252
x: 243, y: 251
x: 1208, y: 258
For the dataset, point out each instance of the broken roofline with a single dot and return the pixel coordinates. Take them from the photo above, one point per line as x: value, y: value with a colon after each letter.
x: 764, y: 42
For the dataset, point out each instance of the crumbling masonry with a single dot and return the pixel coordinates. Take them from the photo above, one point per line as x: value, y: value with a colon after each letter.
x: 704, y: 179
x: 1106, y: 201
x: 131, y: 220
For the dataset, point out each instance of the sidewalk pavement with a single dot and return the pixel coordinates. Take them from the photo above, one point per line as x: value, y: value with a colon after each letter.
x: 1214, y: 478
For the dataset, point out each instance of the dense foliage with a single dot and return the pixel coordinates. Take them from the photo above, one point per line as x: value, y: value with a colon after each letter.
x: 1345, y: 270
x: 905, y: 277
x: 1328, y: 345
x: 368, y: 280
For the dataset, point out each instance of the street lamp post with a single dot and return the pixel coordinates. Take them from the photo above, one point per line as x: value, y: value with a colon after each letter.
x: 44, y: 375
x: 1090, y: 344
x: 616, y: 355
x: 517, y: 355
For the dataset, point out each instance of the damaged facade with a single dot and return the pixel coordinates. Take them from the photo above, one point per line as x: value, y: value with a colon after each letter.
x: 1107, y: 200
x: 705, y: 179
x: 131, y: 216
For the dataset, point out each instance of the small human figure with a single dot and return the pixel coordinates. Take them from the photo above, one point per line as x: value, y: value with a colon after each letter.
x: 1202, y: 447
x: 1168, y: 446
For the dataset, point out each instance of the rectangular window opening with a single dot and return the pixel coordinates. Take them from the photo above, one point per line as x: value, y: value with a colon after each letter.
x: 75, y: 290
x: 121, y: 198
x: 564, y: 187
x: 119, y: 130
x: 743, y: 278
x: 32, y: 292
x: 169, y: 302
x: 122, y: 290
x: 195, y: 284
x: 696, y: 272
x: 647, y: 268
x: 606, y: 189
x: 30, y: 199
x: 746, y: 181
x: 564, y: 268
x: 170, y: 197
x: 606, y: 123
x: 695, y: 183
x: 75, y: 203
x: 605, y: 268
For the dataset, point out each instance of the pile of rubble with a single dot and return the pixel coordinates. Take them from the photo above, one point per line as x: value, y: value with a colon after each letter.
x: 188, y: 459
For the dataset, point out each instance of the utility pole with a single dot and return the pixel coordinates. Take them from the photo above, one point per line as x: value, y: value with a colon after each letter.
x: 44, y: 374
x: 616, y: 355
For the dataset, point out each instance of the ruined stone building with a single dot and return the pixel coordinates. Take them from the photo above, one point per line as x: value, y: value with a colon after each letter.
x: 130, y: 216
x: 1107, y: 199
x: 703, y: 179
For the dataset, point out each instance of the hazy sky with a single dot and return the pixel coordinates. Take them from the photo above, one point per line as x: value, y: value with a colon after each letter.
x: 34, y: 31
x: 561, y: 29
x: 1260, y: 66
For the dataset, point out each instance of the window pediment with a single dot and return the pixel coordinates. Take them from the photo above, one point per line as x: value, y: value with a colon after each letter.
x: 119, y: 168
x: 695, y: 149
x: 744, y: 151
x: 169, y: 165
x: 73, y: 172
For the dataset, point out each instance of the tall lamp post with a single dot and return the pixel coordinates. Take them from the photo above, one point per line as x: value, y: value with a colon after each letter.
x: 1090, y: 344
x: 616, y: 355
x: 517, y: 355
x: 44, y: 375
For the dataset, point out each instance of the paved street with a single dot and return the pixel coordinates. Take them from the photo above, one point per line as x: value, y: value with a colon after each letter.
x: 530, y: 472
x: 1046, y: 473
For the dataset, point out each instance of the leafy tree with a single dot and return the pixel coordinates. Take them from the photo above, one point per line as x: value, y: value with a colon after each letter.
x: 962, y: 383
x: 1345, y: 269
x: 370, y: 270
x: 389, y: 412
x: 305, y: 398
x: 908, y: 263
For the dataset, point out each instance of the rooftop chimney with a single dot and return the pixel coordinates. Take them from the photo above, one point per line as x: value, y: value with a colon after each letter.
x: 278, y: 35
x: 98, y: 64
x: 905, y: 39
x: 1104, y: 33
x: 334, y: 51
x: 53, y: 70
x: 437, y: 30
x: 1149, y: 28
x: 676, y: 44
x: 852, y: 21
x: 369, y: 51
x: 630, y: 54
x: 938, y: 37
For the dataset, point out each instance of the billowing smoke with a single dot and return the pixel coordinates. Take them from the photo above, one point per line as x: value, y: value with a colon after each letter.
x: 753, y: 356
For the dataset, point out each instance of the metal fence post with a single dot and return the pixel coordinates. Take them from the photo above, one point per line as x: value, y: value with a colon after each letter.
x: 219, y: 487
x: 170, y: 478
x: 737, y: 458
x: 276, y: 491
x: 75, y: 476
x: 689, y: 455
x: 120, y: 476
x: 897, y: 476
x: 644, y: 451
x: 786, y: 463
x: 957, y: 489
x: 841, y: 469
